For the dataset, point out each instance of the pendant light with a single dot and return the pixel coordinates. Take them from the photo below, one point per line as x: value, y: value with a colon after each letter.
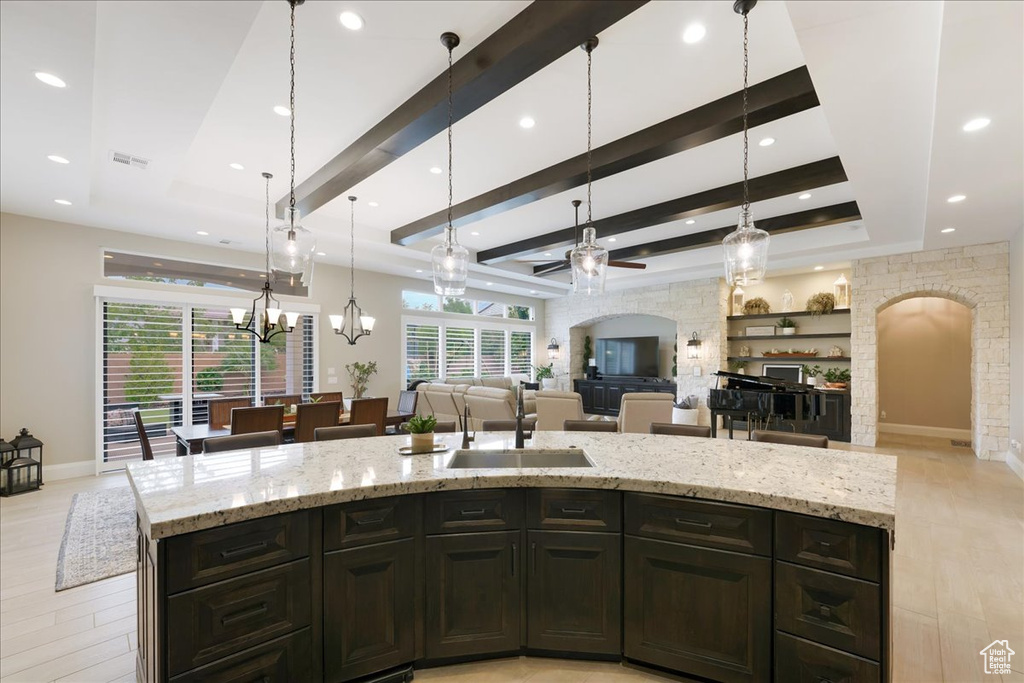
x: 746, y: 249
x: 293, y: 244
x: 589, y: 259
x: 265, y: 316
x: 353, y: 314
x: 450, y: 260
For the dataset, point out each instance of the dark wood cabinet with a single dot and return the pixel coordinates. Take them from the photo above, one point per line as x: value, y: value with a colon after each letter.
x: 146, y: 576
x: 802, y: 661
x: 369, y: 605
x: 835, y: 420
x: 603, y: 396
x: 283, y: 660
x: 574, y: 591
x: 473, y: 594
x: 697, y: 610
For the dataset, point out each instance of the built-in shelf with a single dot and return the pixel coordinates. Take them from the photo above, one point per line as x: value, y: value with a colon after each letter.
x: 825, y: 335
x: 791, y: 359
x: 790, y: 314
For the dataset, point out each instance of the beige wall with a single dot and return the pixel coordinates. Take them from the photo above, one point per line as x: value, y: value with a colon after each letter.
x: 802, y: 287
x: 48, y: 324
x: 924, y: 364
x: 1016, y: 352
x: 641, y: 326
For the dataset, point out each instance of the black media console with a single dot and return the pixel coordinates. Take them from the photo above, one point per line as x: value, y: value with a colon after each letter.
x: 602, y: 396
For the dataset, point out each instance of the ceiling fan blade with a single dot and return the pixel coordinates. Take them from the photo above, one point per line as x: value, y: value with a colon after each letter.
x: 553, y: 267
x: 627, y: 264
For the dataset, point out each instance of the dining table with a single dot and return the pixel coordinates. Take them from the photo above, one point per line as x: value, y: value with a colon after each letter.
x: 188, y: 439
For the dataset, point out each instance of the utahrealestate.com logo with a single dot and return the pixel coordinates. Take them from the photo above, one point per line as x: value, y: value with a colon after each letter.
x: 997, y: 657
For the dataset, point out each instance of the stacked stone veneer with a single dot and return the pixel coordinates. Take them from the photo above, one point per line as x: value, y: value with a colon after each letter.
x: 976, y: 276
x: 697, y: 306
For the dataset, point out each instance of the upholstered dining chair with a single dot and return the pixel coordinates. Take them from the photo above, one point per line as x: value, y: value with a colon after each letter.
x: 219, y: 444
x: 219, y: 413
x: 789, y: 438
x: 147, y: 449
x: 327, y: 396
x: 311, y: 416
x: 555, y: 407
x: 680, y: 430
x: 638, y: 410
x: 590, y: 426
x: 344, y: 432
x: 261, y: 419
x: 370, y: 411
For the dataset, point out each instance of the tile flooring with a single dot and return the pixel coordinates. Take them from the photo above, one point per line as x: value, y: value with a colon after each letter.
x: 958, y: 584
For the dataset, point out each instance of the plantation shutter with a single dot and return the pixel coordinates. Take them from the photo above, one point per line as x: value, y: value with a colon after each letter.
x: 286, y: 361
x: 521, y: 353
x: 492, y: 353
x: 222, y: 361
x: 422, y: 352
x: 460, y: 352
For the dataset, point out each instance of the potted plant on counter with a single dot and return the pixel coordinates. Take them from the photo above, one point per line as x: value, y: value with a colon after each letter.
x: 787, y: 326
x: 421, y: 433
x: 359, y: 374
x: 837, y: 379
x: 546, y: 375
x: 812, y: 374
x: 684, y: 412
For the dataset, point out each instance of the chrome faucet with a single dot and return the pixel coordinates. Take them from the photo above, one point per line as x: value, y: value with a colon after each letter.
x: 465, y: 427
x: 520, y: 439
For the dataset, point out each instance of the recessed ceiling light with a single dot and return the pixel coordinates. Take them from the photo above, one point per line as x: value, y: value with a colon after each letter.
x: 527, y: 122
x: 690, y: 222
x: 158, y: 264
x: 373, y: 204
x: 533, y: 291
x: 475, y: 234
x: 548, y: 254
x: 948, y: 230
x: 819, y: 267
x: 976, y: 124
x: 956, y: 198
x: 419, y: 271
x: 108, y: 256
x: 611, y: 239
x: 321, y: 253
x: 62, y: 202
x: 50, y: 79
x: 282, y: 110
x: 805, y: 195
x: 435, y: 170
x: 766, y: 142
x: 202, y: 233
x: 58, y: 159
x: 351, y: 20
x: 489, y: 284
x: 241, y: 275
x: 237, y: 167
x: 694, y: 33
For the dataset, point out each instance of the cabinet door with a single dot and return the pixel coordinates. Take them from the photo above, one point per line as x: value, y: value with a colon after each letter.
x: 600, y: 398
x: 613, y: 397
x: 369, y: 609
x: 473, y: 591
x: 698, y: 611
x: 586, y: 392
x: 574, y: 592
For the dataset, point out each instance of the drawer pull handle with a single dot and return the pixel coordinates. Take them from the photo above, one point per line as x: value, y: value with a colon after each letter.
x: 825, y: 611
x: 693, y: 522
x: 374, y: 520
x: 826, y: 547
x: 515, y: 557
x: 256, y: 611
x: 243, y: 550
x: 473, y: 513
x: 824, y: 680
x: 573, y: 511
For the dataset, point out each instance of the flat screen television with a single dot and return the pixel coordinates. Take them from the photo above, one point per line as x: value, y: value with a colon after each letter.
x: 627, y: 356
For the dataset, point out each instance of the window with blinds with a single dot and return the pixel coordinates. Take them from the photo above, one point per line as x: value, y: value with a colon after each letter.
x: 286, y: 366
x: 222, y: 361
x: 521, y: 353
x: 422, y: 352
x: 460, y: 352
x: 439, y: 349
x: 492, y: 353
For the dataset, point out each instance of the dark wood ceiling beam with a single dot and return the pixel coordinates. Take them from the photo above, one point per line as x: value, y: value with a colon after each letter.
x: 533, y: 39
x: 797, y: 179
x: 775, y: 225
x: 770, y: 100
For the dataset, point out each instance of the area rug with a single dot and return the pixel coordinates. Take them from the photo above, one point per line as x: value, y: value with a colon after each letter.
x: 99, y: 537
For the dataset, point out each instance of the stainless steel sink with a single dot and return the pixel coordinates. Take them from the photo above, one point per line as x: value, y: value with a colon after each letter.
x: 512, y: 458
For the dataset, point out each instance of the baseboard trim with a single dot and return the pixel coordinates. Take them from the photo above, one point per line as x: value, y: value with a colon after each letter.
x: 69, y: 470
x: 1014, y: 461
x: 921, y: 430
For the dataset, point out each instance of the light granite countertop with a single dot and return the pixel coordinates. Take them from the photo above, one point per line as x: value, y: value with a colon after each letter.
x: 180, y: 495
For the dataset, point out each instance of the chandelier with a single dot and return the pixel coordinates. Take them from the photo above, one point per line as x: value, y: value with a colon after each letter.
x: 353, y: 313
x: 293, y: 244
x: 265, y: 315
x: 746, y: 248
x: 450, y: 260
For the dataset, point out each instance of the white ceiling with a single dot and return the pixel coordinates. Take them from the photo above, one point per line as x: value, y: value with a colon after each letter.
x: 191, y: 86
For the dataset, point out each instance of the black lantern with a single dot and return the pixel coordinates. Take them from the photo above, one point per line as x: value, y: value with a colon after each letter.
x: 553, y: 349
x: 693, y: 347
x: 22, y: 464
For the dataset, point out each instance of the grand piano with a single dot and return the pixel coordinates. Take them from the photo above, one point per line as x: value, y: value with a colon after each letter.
x: 770, y: 403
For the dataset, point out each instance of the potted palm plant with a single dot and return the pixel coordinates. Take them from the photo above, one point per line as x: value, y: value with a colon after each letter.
x: 811, y: 373
x: 421, y: 433
x: 546, y: 375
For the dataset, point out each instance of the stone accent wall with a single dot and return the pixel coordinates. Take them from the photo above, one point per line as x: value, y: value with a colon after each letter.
x: 976, y: 276
x: 697, y: 306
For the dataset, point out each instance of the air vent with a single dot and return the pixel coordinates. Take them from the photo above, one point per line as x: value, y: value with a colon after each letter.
x: 131, y: 160
x: 225, y: 241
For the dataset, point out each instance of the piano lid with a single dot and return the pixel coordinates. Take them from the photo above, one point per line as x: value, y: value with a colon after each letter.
x: 751, y: 383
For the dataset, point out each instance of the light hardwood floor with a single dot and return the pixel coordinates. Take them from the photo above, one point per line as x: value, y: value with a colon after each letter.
x: 958, y: 584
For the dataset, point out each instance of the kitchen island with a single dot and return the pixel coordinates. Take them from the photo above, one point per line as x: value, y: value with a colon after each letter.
x: 343, y: 560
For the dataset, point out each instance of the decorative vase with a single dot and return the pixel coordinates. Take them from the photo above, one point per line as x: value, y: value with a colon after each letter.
x: 786, y: 331
x: 549, y: 383
x: 422, y: 443
x: 684, y: 416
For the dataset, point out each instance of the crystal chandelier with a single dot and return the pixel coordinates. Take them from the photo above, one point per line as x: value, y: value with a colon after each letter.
x: 352, y: 311
x: 293, y: 244
x: 746, y: 249
x: 589, y: 260
x: 450, y: 260
x: 265, y: 316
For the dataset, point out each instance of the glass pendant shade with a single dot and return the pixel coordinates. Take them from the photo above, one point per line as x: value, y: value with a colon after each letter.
x: 746, y: 253
x: 292, y: 252
x: 367, y: 321
x: 450, y: 261
x: 589, y: 265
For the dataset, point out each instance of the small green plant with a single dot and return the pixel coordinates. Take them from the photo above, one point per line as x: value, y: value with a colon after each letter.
x: 737, y: 364
x: 422, y: 424
x: 675, y: 354
x: 588, y: 352
x: 757, y: 306
x: 209, y: 379
x: 812, y: 371
x: 359, y: 374
x: 785, y: 323
x: 545, y: 371
x: 821, y: 303
x: 837, y: 376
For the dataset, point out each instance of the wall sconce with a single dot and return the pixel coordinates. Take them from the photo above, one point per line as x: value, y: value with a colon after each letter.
x: 693, y: 347
x: 553, y: 349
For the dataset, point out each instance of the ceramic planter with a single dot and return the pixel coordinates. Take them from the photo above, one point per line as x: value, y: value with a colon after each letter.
x: 549, y: 383
x: 786, y: 331
x: 684, y: 416
x: 422, y: 443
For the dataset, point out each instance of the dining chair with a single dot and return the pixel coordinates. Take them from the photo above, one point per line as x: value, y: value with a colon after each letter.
x: 638, y: 410
x: 344, y: 432
x: 262, y: 419
x: 790, y: 439
x: 370, y: 411
x: 311, y: 416
x: 220, y: 410
x: 529, y: 425
x: 326, y: 396
x: 238, y: 442
x: 590, y: 426
x: 555, y: 407
x: 680, y: 430
x: 147, y: 449
x: 407, y: 401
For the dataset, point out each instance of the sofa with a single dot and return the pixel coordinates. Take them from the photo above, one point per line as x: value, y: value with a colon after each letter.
x: 492, y: 399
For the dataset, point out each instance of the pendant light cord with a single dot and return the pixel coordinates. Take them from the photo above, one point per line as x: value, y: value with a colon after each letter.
x: 746, y: 189
x: 266, y: 233
x: 352, y: 247
x: 291, y: 109
x: 451, y: 116
x: 590, y: 99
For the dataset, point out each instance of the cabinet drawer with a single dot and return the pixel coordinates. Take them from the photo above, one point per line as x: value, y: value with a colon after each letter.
x: 840, y: 547
x: 280, y: 661
x: 714, y: 525
x: 828, y: 608
x: 573, y: 510
x: 450, y: 512
x: 214, y: 621
x: 801, y: 661
x: 370, y: 521
x: 206, y: 556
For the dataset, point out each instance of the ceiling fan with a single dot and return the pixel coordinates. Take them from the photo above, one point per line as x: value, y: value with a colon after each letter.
x: 566, y: 263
